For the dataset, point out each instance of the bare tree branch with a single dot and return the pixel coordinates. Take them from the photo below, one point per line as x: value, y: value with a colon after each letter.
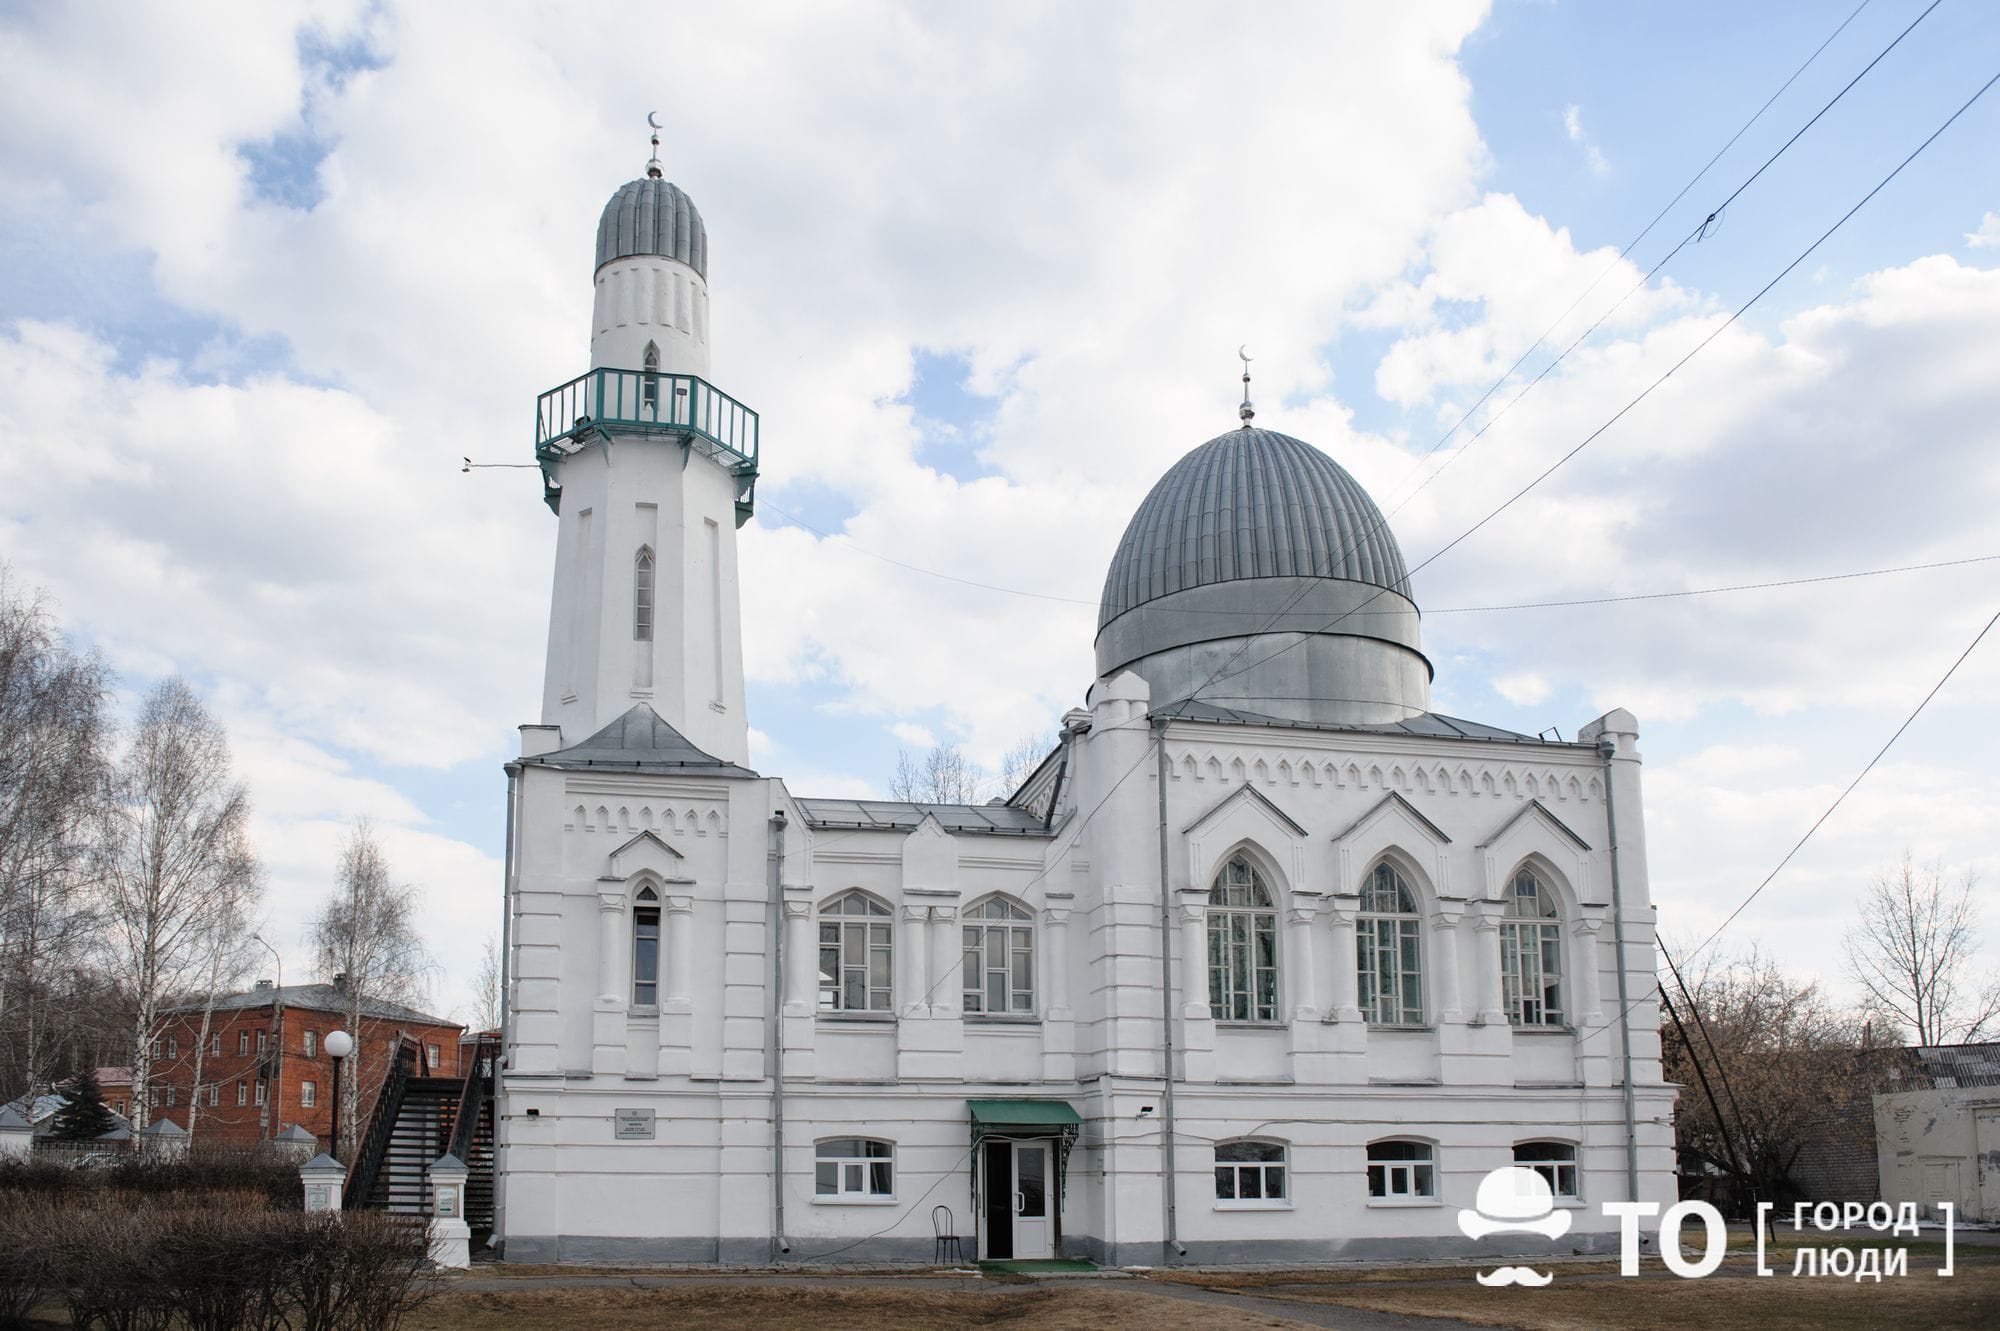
x: 177, y: 858
x: 1913, y: 951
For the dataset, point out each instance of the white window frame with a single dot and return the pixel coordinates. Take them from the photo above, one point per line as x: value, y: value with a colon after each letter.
x: 1002, y: 924
x: 242, y: 1043
x: 242, y: 1095
x: 1389, y: 950
x: 646, y: 960
x: 215, y: 1044
x: 173, y: 1046
x: 308, y: 1095
x: 847, y: 1170
x: 645, y: 588
x: 1417, y: 1175
x: 1258, y: 1184
x: 312, y: 1044
x: 1242, y: 920
x: 1527, y: 942
x: 259, y: 1097
x: 1556, y: 1162
x: 214, y: 1094
x: 858, y: 932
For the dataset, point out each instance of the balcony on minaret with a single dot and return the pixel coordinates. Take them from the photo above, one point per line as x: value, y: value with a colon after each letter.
x: 605, y: 404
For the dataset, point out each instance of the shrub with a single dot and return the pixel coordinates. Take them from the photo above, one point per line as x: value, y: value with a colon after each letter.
x: 138, y: 1262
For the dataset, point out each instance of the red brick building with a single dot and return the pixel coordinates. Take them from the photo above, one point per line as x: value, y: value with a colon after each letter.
x: 266, y: 1066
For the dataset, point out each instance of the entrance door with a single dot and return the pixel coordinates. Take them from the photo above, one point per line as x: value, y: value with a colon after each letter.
x: 1033, y: 1234
x: 1986, y: 1144
x: 1017, y: 1200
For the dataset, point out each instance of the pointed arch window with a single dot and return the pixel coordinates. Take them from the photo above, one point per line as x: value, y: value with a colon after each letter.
x: 1389, y: 950
x: 649, y: 386
x: 646, y: 948
x: 642, y: 595
x: 1242, y: 945
x: 999, y: 938
x: 856, y: 956
x: 1531, y: 953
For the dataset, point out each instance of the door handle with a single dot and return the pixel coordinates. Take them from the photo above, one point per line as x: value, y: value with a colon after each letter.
x: 1020, y: 1203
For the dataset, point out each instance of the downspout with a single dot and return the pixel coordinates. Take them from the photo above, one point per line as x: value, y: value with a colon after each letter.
x: 507, y: 904
x: 1166, y: 996
x: 775, y: 1055
x: 1606, y: 749
x: 1055, y: 792
x: 507, y: 872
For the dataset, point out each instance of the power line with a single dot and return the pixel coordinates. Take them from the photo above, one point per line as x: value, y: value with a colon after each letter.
x: 1803, y: 580
x: 1646, y: 392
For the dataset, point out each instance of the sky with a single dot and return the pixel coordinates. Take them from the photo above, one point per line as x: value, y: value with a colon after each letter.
x: 268, y: 272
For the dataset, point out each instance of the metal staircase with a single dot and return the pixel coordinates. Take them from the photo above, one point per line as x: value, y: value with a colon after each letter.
x: 418, y: 1118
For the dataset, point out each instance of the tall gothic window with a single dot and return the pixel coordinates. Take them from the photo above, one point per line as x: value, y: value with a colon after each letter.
x: 1531, y: 953
x: 1389, y: 957
x: 646, y: 948
x: 1242, y: 945
x: 999, y: 958
x: 649, y: 387
x: 856, y: 956
x: 642, y: 595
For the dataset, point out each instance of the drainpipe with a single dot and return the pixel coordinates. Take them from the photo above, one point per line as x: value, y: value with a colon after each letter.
x: 776, y: 1047
x: 1166, y: 994
x: 1606, y: 749
x: 507, y: 904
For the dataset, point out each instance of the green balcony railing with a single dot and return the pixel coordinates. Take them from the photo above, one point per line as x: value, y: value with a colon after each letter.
x: 607, y: 402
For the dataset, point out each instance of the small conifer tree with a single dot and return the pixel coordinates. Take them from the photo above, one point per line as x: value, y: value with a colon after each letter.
x: 86, y: 1117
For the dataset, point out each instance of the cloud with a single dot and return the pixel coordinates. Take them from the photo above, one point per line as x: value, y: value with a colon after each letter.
x: 1988, y: 234
x: 1573, y: 127
x: 370, y: 264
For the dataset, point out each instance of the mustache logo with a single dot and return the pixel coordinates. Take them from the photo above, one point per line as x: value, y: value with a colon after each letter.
x: 1515, y: 1275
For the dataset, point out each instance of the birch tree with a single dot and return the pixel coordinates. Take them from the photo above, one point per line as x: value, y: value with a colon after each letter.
x: 366, y: 939
x: 226, y: 961
x: 1914, y: 950
x: 53, y: 772
x: 176, y: 857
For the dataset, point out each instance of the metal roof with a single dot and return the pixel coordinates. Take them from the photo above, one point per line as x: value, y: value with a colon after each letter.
x: 314, y: 997
x: 652, y: 216
x: 1430, y: 725
x: 1960, y: 1065
x: 639, y: 740
x: 1251, y: 504
x: 904, y: 815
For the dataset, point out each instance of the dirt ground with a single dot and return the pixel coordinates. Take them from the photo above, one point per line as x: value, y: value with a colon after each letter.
x: 1058, y: 1306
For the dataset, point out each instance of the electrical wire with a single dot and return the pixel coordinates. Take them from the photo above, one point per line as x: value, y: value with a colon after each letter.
x: 1671, y: 370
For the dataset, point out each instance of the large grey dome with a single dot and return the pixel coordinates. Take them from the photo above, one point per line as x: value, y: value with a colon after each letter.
x: 1259, y: 575
x: 652, y: 216
x: 1251, y: 504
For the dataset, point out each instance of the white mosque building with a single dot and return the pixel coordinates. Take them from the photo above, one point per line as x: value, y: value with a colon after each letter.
x: 1266, y: 961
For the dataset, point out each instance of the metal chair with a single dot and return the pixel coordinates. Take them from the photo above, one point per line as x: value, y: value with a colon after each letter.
x: 946, y: 1234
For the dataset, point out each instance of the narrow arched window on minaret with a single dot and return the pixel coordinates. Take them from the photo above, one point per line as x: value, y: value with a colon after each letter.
x: 649, y: 391
x: 642, y: 595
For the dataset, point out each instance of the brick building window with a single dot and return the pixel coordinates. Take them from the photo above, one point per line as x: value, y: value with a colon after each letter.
x: 242, y: 1042
x: 215, y: 1045
x: 260, y: 1042
x: 308, y: 1094
x: 260, y: 1092
x: 214, y: 1094
x: 170, y: 1097
x: 173, y: 1047
x: 242, y: 1095
x: 312, y: 1044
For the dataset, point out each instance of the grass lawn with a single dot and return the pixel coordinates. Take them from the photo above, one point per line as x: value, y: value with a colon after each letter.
x: 1061, y: 1306
x: 1587, y: 1296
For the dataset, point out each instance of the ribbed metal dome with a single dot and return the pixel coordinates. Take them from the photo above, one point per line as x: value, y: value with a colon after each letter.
x: 652, y: 216
x: 1251, y: 504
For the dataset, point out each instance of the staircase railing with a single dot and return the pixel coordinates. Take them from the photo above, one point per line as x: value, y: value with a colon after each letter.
x: 405, y: 1061
x: 472, y: 1100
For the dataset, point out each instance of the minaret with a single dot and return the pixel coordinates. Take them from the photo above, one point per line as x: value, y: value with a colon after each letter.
x: 650, y: 470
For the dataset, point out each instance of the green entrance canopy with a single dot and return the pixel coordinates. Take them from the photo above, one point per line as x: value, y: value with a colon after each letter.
x: 1025, y: 1118
x: 1048, y: 1114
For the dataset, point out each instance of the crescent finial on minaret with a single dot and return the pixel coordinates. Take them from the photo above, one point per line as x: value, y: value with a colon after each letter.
x: 653, y: 167
x: 1246, y: 411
